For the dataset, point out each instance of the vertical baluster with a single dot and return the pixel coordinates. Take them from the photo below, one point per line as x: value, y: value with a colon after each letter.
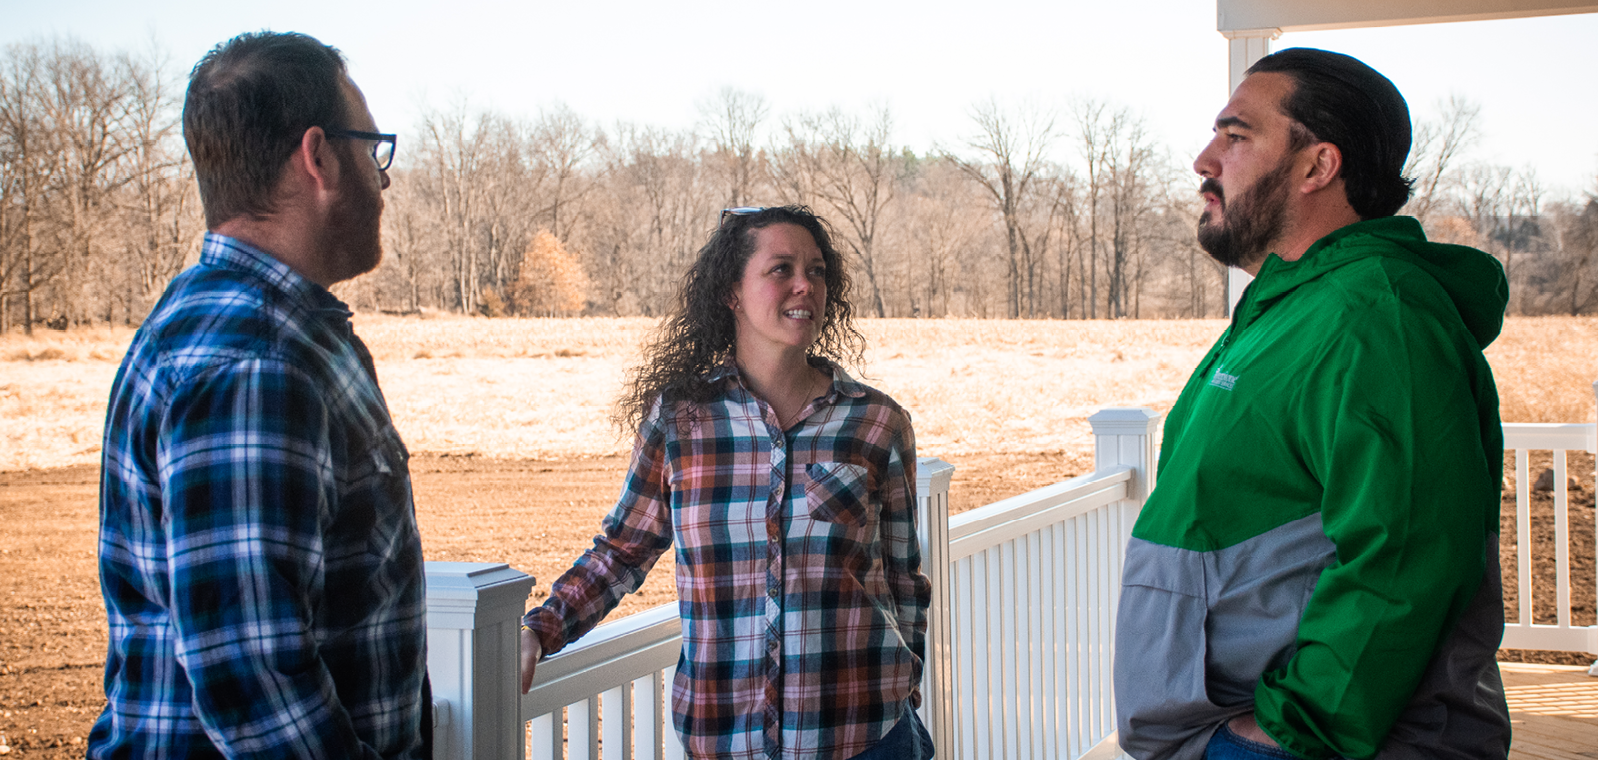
x: 982, y: 676
x: 1561, y: 540
x: 1048, y: 575
x: 616, y: 706
x: 966, y: 621
x: 1110, y: 573
x: 1001, y: 586
x: 646, y: 717
x: 582, y: 729
x: 1121, y: 518
x: 671, y: 746
x: 1102, y: 722
x: 1037, y: 696
x: 547, y: 740
x: 1060, y: 612
x: 1523, y: 533
x: 1078, y: 633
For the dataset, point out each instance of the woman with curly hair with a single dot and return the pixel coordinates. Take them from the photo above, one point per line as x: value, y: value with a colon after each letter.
x: 788, y: 490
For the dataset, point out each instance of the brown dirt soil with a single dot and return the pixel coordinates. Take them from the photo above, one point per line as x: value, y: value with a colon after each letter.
x: 535, y: 515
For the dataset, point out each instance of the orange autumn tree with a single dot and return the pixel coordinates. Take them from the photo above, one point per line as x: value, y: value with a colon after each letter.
x: 552, y: 281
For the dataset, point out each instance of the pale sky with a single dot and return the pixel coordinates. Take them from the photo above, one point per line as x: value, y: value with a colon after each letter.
x: 651, y: 62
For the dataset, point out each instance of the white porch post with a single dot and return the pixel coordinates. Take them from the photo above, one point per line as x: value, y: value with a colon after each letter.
x: 937, y: 676
x: 1244, y: 47
x: 1125, y: 436
x: 474, y: 614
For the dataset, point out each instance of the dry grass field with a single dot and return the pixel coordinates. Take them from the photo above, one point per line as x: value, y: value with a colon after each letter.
x: 542, y: 389
x: 515, y: 460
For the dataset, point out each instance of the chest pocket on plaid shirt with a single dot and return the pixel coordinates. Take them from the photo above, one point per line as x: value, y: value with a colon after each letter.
x: 375, y: 507
x: 838, y: 492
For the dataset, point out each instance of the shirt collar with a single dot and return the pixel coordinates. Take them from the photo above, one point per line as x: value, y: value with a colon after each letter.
x: 842, y: 383
x: 231, y: 253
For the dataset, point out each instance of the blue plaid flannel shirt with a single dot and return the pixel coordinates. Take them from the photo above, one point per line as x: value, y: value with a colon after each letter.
x: 259, y: 555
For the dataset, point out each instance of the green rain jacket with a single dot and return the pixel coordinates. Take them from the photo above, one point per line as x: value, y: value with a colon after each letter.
x: 1321, y: 546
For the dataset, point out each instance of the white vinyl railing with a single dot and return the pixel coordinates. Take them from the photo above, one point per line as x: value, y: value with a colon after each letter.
x: 1035, y: 580
x: 1018, y: 642
x: 1563, y: 635
x: 614, y: 686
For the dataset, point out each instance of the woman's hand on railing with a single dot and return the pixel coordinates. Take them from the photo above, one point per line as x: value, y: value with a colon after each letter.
x: 532, y: 649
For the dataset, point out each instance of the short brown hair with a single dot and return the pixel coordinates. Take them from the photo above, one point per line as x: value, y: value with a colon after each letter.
x: 249, y: 103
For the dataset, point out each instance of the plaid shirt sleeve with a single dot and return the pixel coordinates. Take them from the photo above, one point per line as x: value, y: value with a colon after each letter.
x: 248, y: 485
x: 635, y: 533
x: 902, y: 552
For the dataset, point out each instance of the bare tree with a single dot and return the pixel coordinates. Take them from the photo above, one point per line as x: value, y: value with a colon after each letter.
x: 412, y: 244
x: 163, y: 209
x: 88, y: 102
x: 732, y: 120
x: 944, y: 218
x: 1009, y: 159
x: 560, y: 147
x: 847, y: 169
x: 455, y: 153
x: 655, y: 203
x: 26, y: 150
x: 1435, y: 153
x: 70, y: 118
x: 1121, y: 185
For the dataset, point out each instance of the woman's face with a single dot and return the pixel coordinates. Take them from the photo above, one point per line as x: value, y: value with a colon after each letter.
x: 782, y: 297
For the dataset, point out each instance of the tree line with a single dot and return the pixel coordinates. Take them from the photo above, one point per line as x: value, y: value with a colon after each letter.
x: 1034, y: 213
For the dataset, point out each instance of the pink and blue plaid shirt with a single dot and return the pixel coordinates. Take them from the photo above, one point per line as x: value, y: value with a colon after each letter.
x: 804, y: 609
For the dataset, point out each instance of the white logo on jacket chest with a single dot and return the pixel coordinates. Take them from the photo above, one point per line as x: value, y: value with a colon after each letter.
x: 1222, y: 380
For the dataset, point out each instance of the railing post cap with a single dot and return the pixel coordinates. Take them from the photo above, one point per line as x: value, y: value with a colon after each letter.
x: 1123, y: 416
x: 469, y: 579
x: 929, y: 466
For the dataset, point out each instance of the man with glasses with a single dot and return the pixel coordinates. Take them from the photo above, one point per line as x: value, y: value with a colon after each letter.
x: 259, y: 555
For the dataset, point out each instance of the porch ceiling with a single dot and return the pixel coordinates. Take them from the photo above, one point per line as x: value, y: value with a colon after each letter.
x: 1310, y: 15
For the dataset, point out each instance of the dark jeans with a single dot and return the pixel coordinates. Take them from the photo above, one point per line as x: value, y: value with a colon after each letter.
x: 1225, y: 745
x: 908, y: 740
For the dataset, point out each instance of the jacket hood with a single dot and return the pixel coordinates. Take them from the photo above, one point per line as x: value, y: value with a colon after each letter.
x: 1472, y: 279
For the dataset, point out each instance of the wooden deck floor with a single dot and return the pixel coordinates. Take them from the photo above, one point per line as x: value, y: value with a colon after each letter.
x: 1555, y: 711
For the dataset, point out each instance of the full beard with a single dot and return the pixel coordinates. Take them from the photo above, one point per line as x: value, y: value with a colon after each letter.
x: 1250, y: 222
x: 357, y: 240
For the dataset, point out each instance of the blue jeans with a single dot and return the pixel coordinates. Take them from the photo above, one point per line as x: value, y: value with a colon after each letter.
x: 908, y: 740
x: 1225, y: 745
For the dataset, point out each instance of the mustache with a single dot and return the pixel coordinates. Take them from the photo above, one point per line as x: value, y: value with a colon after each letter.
x: 1209, y: 185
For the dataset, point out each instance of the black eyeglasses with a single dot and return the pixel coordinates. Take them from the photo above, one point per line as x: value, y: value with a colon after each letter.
x: 382, y: 145
x: 739, y: 211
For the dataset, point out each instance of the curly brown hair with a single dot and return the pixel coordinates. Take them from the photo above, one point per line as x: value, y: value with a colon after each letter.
x: 698, y: 336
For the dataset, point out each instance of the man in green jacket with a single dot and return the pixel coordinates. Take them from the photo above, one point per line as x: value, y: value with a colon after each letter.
x: 1316, y: 573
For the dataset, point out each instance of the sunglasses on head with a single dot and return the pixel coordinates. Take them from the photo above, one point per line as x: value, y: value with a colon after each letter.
x: 738, y: 211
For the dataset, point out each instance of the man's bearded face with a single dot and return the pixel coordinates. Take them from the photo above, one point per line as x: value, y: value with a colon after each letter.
x: 1250, y: 221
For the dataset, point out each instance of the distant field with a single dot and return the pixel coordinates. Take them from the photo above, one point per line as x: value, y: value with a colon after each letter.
x: 543, y: 389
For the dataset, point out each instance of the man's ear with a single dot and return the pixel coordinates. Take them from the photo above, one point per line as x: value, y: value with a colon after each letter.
x: 316, y: 158
x: 1326, y: 165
